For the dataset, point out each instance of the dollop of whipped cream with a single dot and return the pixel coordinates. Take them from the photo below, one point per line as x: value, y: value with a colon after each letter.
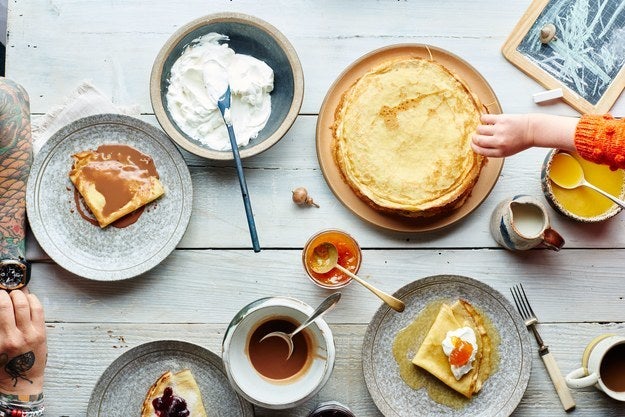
x: 453, y: 341
x: 201, y: 75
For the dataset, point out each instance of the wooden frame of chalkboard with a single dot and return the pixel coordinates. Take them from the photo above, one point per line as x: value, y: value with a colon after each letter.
x: 586, y: 58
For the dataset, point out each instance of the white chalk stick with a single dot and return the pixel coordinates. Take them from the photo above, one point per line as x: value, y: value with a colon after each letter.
x: 547, y: 95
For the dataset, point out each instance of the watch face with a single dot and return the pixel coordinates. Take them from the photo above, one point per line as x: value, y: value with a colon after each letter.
x: 13, y: 274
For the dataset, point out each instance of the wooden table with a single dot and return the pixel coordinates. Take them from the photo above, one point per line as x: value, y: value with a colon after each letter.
x: 578, y: 293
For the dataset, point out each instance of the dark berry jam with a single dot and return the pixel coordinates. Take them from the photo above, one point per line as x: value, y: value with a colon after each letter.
x: 170, y: 405
x: 331, y: 409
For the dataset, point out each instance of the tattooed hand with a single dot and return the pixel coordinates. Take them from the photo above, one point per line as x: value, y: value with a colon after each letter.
x: 23, y: 348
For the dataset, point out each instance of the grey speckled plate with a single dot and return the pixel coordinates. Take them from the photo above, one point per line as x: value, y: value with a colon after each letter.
x: 501, y: 393
x: 111, y: 253
x: 121, y: 389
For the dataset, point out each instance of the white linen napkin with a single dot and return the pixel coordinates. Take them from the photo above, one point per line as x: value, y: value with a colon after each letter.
x: 85, y: 100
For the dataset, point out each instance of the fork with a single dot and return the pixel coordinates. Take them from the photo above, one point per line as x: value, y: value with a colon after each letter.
x: 529, y: 317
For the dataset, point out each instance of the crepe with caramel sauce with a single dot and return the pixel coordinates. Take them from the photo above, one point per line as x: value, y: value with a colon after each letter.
x: 402, y: 138
x: 431, y: 357
x: 115, y: 180
x: 183, y: 386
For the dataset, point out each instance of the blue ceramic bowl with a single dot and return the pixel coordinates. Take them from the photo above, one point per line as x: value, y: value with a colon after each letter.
x: 248, y: 35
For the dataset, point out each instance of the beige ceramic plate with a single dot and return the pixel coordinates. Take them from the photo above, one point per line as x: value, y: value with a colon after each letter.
x: 476, y: 83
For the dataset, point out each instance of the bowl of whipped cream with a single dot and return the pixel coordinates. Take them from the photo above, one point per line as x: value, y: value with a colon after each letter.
x: 263, y: 71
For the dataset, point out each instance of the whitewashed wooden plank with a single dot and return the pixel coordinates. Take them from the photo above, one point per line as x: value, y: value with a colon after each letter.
x: 283, y: 224
x: 117, y: 51
x: 196, y: 286
x: 218, y: 218
x: 79, y: 353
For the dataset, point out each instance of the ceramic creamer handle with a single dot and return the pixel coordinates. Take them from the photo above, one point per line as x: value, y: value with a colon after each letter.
x: 552, y: 239
x: 580, y: 379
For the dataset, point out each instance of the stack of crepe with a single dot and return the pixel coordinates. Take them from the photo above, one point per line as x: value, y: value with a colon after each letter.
x: 402, y: 137
x: 431, y: 357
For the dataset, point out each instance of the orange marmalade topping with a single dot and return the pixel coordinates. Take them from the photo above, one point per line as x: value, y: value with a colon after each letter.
x: 461, y: 353
x: 349, y: 257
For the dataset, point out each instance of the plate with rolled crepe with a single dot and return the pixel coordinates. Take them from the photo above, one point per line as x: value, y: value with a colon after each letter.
x: 459, y: 349
x: 109, y: 197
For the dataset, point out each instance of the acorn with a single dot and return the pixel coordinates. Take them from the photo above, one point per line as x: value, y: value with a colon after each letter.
x: 301, y: 197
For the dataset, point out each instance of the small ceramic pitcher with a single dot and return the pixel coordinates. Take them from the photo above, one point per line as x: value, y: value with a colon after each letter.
x: 522, y: 223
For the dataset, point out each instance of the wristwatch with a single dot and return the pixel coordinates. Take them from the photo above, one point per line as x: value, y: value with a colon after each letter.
x: 16, y: 154
x: 14, y: 273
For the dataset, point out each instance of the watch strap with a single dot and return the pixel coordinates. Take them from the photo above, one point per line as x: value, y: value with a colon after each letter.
x: 21, y: 405
x: 16, y: 154
x: 13, y: 412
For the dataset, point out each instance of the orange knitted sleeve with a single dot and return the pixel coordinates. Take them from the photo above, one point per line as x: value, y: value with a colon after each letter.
x: 601, y: 139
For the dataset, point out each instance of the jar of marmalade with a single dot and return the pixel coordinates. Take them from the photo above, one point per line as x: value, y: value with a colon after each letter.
x: 349, y: 253
x: 331, y: 409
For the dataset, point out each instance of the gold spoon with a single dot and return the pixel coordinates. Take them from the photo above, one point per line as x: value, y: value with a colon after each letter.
x: 570, y: 175
x: 325, y: 257
x: 324, y: 307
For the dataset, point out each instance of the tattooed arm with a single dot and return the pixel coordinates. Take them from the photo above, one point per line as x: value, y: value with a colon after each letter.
x: 15, y: 161
x: 23, y: 347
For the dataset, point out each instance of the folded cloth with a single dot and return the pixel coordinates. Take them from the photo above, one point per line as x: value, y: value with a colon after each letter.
x: 86, y: 100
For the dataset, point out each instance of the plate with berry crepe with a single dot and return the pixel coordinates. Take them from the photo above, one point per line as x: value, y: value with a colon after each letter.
x: 166, y: 375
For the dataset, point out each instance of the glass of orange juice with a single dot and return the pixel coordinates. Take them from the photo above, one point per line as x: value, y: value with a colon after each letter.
x: 350, y: 257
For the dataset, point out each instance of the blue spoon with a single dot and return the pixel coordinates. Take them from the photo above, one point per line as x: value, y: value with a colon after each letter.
x: 223, y: 103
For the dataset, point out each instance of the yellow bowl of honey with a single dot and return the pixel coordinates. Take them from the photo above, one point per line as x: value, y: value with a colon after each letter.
x: 582, y: 203
x: 349, y: 257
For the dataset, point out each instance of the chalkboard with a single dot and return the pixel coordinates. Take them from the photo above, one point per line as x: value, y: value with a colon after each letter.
x: 586, y: 58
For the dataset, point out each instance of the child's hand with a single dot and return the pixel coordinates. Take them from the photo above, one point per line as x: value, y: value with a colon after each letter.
x: 506, y: 134
x: 502, y: 135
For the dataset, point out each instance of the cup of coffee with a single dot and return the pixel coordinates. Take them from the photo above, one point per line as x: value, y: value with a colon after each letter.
x: 261, y: 370
x: 603, y: 365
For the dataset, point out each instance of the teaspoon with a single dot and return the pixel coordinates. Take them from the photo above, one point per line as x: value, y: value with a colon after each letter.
x: 325, y: 257
x: 324, y: 307
x: 571, y: 175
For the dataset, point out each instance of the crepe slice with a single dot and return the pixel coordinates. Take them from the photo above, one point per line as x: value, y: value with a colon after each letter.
x: 183, y: 385
x: 431, y: 357
x: 114, y: 187
x: 484, y: 343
